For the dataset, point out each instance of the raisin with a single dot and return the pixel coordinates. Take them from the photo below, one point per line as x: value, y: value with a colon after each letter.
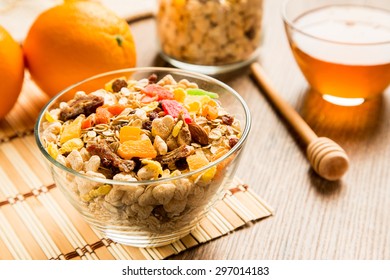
x: 227, y: 119
x: 181, y: 164
x: 118, y: 84
x: 147, y: 125
x: 153, y: 115
x: 233, y: 142
x: 152, y: 79
x: 160, y: 213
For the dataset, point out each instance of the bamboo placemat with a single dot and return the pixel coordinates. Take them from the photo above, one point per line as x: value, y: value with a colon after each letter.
x: 36, y: 221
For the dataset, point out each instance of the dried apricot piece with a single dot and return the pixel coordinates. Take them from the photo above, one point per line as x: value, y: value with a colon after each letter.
x: 129, y: 133
x: 137, y: 148
x: 198, y: 160
x: 102, y: 115
x: 210, y: 112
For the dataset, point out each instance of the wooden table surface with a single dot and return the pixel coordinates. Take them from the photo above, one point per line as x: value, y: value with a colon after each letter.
x: 314, y: 219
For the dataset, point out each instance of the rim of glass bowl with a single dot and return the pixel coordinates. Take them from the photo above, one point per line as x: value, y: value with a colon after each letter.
x: 167, y: 70
x: 291, y: 24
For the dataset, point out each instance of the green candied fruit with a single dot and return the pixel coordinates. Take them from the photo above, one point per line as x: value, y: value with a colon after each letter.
x: 197, y: 91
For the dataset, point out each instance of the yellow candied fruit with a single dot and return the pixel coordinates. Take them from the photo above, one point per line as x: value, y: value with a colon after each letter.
x: 70, y: 145
x: 203, y: 99
x: 129, y: 133
x: 179, y: 94
x: 101, y: 190
x: 72, y: 130
x: 193, y: 107
x: 209, y: 174
x: 176, y: 128
x: 153, y: 166
x: 52, y: 149
x: 179, y: 2
x: 49, y: 117
x: 150, y: 107
x: 213, y: 103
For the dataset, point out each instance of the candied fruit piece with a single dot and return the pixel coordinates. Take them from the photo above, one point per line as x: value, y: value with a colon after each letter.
x: 72, y: 130
x: 198, y: 91
x: 129, y: 133
x: 52, y: 149
x: 70, y: 145
x: 137, y: 148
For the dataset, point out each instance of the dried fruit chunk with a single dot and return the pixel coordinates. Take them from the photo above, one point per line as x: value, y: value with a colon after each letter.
x: 129, y: 133
x: 153, y: 90
x: 52, y: 150
x: 49, y: 117
x: 100, y: 191
x: 179, y: 95
x: 102, y: 116
x: 116, y: 109
x: 198, y: 160
x: 72, y: 130
x: 70, y: 145
x: 137, y: 148
x: 118, y: 84
x: 210, y: 112
x: 181, y: 152
x: 174, y: 108
x: 198, y: 91
x: 151, y: 170
x: 176, y: 128
x: 85, y: 105
x: 88, y: 122
x: 109, y: 158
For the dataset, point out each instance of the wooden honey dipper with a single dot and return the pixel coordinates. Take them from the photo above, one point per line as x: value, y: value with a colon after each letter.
x: 326, y: 157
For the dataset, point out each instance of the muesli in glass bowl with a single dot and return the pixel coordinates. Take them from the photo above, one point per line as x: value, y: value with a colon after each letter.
x: 144, y: 153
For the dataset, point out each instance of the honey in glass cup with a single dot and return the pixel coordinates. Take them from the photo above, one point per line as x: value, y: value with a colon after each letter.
x: 341, y: 46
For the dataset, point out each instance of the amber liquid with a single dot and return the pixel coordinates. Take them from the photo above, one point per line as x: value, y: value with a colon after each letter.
x: 359, y: 67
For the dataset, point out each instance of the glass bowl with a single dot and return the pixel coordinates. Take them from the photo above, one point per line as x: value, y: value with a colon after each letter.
x: 146, y: 213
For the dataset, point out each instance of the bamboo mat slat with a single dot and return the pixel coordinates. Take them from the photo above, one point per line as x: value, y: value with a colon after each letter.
x: 37, y: 222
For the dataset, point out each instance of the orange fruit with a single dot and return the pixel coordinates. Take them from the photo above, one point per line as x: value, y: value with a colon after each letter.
x: 76, y: 40
x: 11, y: 71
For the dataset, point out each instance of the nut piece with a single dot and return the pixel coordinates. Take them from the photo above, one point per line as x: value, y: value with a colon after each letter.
x: 198, y: 134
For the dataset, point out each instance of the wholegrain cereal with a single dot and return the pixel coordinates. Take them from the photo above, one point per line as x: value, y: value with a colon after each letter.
x: 142, y: 131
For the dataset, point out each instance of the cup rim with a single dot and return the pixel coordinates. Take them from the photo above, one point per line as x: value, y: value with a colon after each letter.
x: 167, y: 70
x: 291, y: 24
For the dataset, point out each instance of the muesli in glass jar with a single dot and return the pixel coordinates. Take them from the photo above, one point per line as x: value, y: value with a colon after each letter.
x: 212, y: 36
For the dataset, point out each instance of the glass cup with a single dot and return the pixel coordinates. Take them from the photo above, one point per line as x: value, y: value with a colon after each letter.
x: 341, y: 46
x: 210, y: 37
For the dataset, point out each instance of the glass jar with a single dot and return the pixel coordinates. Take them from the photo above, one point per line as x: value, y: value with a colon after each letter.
x: 209, y: 36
